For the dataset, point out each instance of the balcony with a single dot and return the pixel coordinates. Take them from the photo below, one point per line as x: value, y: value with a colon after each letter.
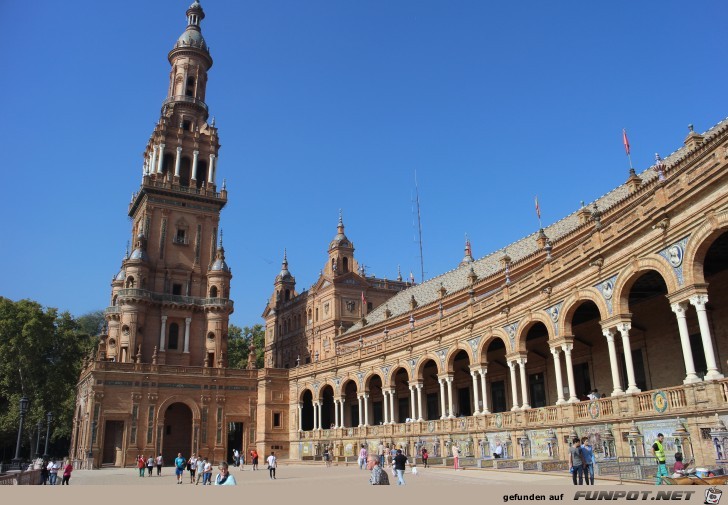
x: 679, y: 402
x: 186, y: 99
x: 167, y: 298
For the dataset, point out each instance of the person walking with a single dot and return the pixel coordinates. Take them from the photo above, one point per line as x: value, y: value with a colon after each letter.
x: 236, y: 457
x: 379, y: 475
x: 272, y: 464
x: 67, y: 469
x: 254, y: 458
x: 400, y: 463
x: 658, y: 451
x: 587, y: 453
x: 207, y: 478
x: 159, y: 462
x: 141, y: 464
x: 576, y: 462
x: 456, y: 457
x: 380, y: 453
x: 425, y: 456
x: 179, y: 467
x: 200, y: 470
x: 192, y: 467
x: 150, y: 465
x: 362, y: 457
x: 224, y: 478
x: 53, y: 472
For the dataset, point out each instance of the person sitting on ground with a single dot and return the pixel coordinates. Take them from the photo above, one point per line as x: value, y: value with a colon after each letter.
x: 679, y: 468
x: 224, y: 478
x: 378, y: 477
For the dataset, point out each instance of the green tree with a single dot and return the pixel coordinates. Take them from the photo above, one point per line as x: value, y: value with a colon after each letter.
x: 239, y: 345
x: 41, y: 353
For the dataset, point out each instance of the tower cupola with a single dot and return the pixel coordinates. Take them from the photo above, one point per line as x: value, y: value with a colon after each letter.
x: 341, y: 252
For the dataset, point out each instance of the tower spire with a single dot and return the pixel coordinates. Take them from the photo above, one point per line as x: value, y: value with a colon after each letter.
x: 468, y: 258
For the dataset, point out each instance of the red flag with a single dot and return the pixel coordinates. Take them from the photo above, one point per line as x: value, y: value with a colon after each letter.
x: 626, y: 141
x: 538, y: 209
x: 363, y: 300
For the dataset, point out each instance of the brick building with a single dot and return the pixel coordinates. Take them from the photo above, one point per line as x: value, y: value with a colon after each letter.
x: 627, y: 296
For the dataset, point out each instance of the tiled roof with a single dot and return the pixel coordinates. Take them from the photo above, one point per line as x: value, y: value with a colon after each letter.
x: 457, y: 279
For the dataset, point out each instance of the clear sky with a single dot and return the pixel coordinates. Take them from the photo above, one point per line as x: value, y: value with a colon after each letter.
x: 323, y: 105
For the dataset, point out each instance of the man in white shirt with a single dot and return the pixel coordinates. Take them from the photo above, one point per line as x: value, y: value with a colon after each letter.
x: 53, y: 467
x: 272, y: 464
x: 200, y: 471
x: 498, y: 452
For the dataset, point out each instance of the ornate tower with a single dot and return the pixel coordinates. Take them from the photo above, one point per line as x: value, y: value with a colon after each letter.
x: 171, y: 300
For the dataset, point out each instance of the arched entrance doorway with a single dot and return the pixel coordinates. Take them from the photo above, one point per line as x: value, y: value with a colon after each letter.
x: 177, y: 432
x: 307, y: 411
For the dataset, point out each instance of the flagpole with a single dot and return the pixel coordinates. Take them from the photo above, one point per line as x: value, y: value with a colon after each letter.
x: 627, y: 149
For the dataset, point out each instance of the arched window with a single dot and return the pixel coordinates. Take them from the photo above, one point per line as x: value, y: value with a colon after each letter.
x: 213, y: 292
x: 130, y: 282
x: 190, y: 88
x: 310, y: 317
x: 346, y: 264
x: 115, y: 301
x: 288, y: 294
x: 173, y: 336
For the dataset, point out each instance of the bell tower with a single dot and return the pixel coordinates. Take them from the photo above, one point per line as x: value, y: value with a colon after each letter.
x: 171, y: 299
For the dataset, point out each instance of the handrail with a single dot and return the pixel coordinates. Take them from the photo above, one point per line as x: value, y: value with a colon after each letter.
x: 163, y: 297
x: 187, y: 99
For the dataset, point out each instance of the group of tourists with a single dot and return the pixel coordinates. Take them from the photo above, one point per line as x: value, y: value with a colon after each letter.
x: 49, y: 472
x: 379, y: 475
x: 200, y: 468
x: 581, y: 461
x: 149, y: 464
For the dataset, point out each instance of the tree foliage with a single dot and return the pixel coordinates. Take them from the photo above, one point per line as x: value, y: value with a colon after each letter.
x: 45, y: 348
x: 239, y: 345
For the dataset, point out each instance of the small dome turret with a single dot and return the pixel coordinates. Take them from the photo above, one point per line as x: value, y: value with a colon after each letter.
x: 219, y: 265
x: 285, y: 274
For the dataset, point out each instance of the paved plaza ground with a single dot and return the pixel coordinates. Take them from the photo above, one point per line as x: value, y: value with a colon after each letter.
x: 310, y: 476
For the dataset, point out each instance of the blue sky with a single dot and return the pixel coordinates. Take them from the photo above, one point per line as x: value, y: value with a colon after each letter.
x: 323, y: 105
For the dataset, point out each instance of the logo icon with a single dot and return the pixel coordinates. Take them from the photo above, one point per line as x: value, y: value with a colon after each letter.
x: 712, y: 496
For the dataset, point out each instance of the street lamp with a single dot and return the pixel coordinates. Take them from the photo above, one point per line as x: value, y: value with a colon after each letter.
x: 24, y: 402
x: 49, y: 417
x: 39, y: 427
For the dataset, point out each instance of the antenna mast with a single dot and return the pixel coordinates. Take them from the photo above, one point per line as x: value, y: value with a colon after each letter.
x: 419, y: 225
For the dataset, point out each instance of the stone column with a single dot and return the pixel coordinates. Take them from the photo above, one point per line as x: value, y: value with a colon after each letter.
x: 556, y: 353
x: 483, y: 371
x: 162, y: 333
x: 160, y: 158
x: 361, y: 409
x: 177, y: 161
x: 153, y: 163
x: 413, y: 402
x: 514, y: 385
x: 419, y: 402
x: 623, y: 329
x: 211, y: 170
x: 316, y: 416
x: 524, y: 383
x: 476, y: 395
x: 336, y: 413
x: 366, y: 409
x: 385, y: 406
x: 680, y: 309
x: 188, y: 320
x: 613, y: 361
x: 570, y: 372
x: 195, y: 154
x: 441, y: 380
x: 341, y: 418
x: 300, y: 417
x: 449, y: 397
x: 392, y: 419
x: 699, y: 301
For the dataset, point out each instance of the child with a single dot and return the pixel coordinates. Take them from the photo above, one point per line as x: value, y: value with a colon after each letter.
x: 414, y: 466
